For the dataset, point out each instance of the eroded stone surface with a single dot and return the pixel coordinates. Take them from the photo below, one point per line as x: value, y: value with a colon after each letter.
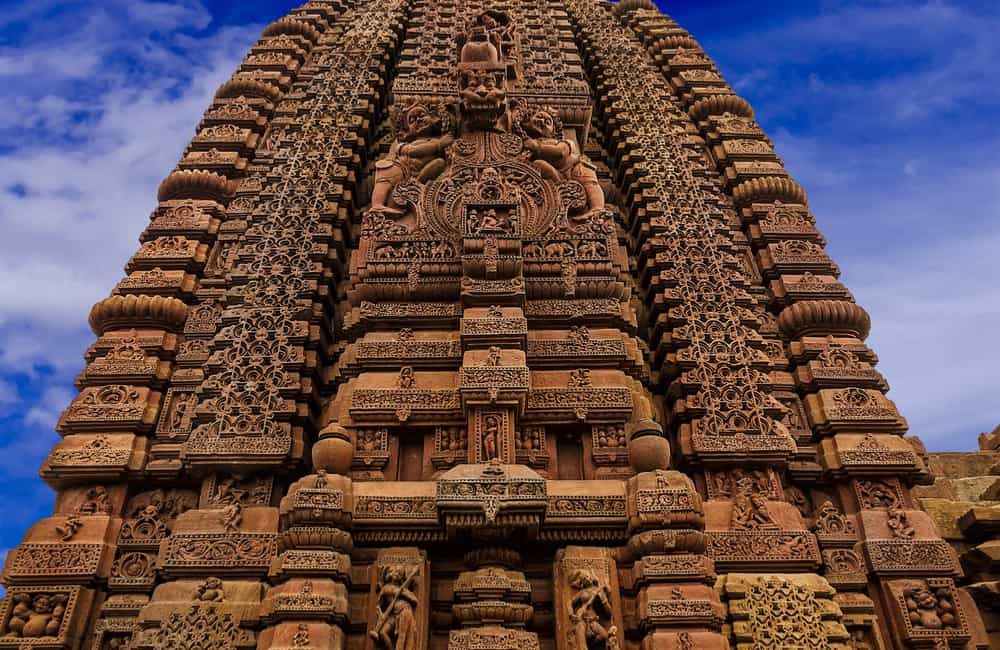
x: 485, y: 326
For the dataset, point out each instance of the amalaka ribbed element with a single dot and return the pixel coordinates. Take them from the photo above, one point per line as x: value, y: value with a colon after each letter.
x: 292, y: 27
x: 767, y: 190
x: 718, y: 105
x: 196, y: 184
x: 824, y: 317
x: 625, y: 6
x: 674, y: 42
x: 248, y: 88
x: 119, y: 312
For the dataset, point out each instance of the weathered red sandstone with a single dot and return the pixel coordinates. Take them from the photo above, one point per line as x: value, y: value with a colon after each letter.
x: 498, y: 327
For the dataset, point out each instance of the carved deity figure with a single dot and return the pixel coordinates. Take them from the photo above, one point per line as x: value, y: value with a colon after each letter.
x: 750, y: 508
x: 232, y: 517
x: 179, y: 409
x: 419, y: 152
x: 876, y: 494
x: 580, y: 378
x: 69, y: 528
x: 579, y: 334
x: 229, y: 492
x: 591, y: 613
x: 487, y: 221
x: 491, y: 437
x: 301, y: 638
x: 396, y: 626
x: 899, y: 525
x: 930, y: 610
x: 496, y: 29
x: 96, y: 502
x: 210, y: 591
x: 406, y: 378
x: 494, y: 356
x: 35, y: 616
x: 556, y: 158
x: 859, y: 640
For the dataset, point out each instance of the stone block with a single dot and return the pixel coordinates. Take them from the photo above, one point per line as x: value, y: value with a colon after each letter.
x: 980, y: 523
x: 946, y: 514
x: 965, y: 464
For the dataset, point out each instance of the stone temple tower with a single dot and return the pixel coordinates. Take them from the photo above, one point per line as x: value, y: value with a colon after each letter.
x: 472, y: 325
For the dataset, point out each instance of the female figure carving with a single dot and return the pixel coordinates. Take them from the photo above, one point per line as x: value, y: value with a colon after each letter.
x: 396, y: 626
x: 591, y: 613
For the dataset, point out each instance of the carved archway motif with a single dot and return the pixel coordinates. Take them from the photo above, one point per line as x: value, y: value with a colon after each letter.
x: 470, y: 183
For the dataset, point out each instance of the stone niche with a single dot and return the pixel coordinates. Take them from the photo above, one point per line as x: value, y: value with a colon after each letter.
x: 587, y: 602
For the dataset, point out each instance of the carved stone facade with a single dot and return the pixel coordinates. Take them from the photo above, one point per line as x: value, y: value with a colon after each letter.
x: 482, y: 325
x: 964, y: 502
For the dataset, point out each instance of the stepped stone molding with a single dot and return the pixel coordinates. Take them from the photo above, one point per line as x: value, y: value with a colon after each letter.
x: 477, y: 325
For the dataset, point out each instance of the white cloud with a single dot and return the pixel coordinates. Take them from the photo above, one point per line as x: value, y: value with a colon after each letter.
x: 100, y: 100
x: 885, y: 112
x: 47, y: 409
x: 8, y: 395
x: 83, y: 198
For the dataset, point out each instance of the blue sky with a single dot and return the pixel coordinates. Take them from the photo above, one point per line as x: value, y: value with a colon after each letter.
x: 885, y: 111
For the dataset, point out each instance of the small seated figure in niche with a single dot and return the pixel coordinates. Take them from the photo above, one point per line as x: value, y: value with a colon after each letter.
x: 119, y: 643
x: 929, y: 610
x: 36, y: 616
x: 406, y: 378
x: 591, y: 614
x: 210, y: 591
x: 579, y: 334
x: 419, y: 152
x: 558, y: 159
x: 229, y: 491
x: 396, y: 626
x: 487, y: 220
x: 442, y: 250
x: 750, y: 507
x: 488, y: 31
x: 859, y: 640
x: 899, y: 525
x: 96, y: 502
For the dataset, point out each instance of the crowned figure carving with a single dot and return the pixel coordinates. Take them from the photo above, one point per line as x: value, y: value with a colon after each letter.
x: 483, y: 163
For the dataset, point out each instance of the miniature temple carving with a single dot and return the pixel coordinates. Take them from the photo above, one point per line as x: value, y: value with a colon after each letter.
x: 483, y: 326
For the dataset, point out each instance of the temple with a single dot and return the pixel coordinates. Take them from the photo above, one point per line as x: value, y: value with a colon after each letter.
x: 470, y: 325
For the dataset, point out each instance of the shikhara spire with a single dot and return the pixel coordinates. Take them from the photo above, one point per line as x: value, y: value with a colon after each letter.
x: 492, y: 326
